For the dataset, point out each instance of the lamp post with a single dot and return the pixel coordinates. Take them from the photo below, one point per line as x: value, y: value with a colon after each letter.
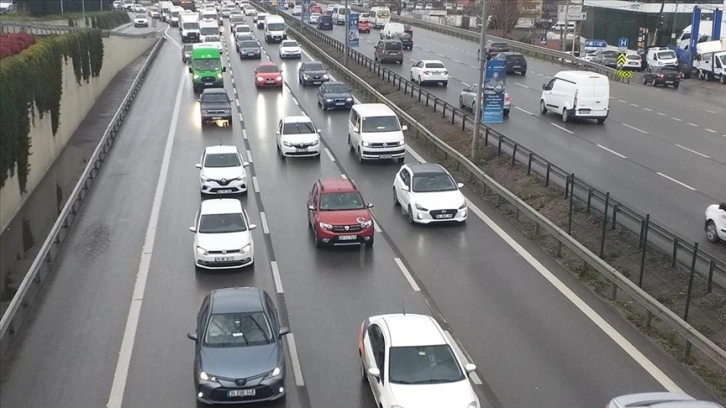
x: 567, y: 26
x: 482, y: 56
x: 83, y: 7
x: 61, y: 4
x: 345, y: 57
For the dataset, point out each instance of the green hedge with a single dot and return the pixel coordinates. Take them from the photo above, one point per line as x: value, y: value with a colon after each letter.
x: 106, y: 20
x: 34, y: 78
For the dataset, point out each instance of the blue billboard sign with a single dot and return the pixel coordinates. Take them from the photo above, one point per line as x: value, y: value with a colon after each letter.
x: 305, y: 16
x: 716, y: 31
x: 695, y: 27
x: 353, y: 38
x: 495, y: 85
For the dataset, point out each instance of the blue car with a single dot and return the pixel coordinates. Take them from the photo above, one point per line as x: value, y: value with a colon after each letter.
x: 335, y: 95
x: 325, y: 22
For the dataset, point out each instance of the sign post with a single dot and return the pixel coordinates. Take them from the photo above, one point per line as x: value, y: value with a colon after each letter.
x: 494, y: 87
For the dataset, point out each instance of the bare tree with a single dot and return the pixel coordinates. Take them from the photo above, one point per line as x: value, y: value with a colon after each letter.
x: 505, y: 14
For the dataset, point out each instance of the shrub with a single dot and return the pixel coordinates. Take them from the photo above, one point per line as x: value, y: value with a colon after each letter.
x: 12, y: 44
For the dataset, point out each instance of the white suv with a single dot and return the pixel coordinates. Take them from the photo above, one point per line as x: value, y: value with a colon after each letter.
x: 222, y: 171
x: 297, y: 136
x: 222, y: 235
x: 716, y: 222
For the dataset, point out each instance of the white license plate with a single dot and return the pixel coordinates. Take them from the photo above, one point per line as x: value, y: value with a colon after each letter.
x: 669, y: 82
x: 251, y: 54
x: 444, y: 216
x: 225, y: 191
x: 385, y: 156
x: 302, y: 149
x: 316, y: 82
x: 348, y: 237
x: 241, y: 393
x: 216, y: 118
x: 516, y: 66
x: 339, y: 103
x: 222, y: 259
x: 209, y: 83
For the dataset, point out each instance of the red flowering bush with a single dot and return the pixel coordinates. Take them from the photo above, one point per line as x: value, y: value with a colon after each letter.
x: 15, y: 43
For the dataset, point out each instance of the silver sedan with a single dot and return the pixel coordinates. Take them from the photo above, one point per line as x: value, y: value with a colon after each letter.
x: 467, y: 99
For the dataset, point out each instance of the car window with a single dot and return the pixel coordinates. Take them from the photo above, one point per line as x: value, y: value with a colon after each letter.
x: 380, y: 124
x: 243, y: 29
x: 341, y: 201
x: 206, y: 64
x: 222, y: 223
x: 609, y: 54
x: 222, y: 159
x: 289, y: 44
x: 273, y: 313
x: 298, y: 128
x: 337, y: 88
x: 423, y: 183
x: 393, y: 45
x: 268, y: 68
x: 238, y: 330
x: 434, y: 65
x: 666, y: 54
x: 248, y: 44
x: 314, y: 66
x: 215, y: 98
x: 423, y: 365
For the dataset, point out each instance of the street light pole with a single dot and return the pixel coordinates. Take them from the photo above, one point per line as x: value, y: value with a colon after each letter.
x: 567, y: 26
x: 482, y: 56
x: 83, y: 7
x: 61, y: 4
x: 347, y: 17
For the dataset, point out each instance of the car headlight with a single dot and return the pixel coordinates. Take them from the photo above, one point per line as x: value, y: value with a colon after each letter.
x: 316, y: 142
x: 365, y: 144
x: 202, y: 251
x: 463, y: 206
x: 219, y: 76
x: 325, y: 76
x: 349, y: 99
x: 274, y: 373
x: 278, y: 78
x: 366, y: 224
x: 227, y: 111
x: 204, y: 179
x: 206, y: 377
x: 305, y: 76
x: 259, y: 78
x: 286, y: 143
x: 246, y: 248
x: 196, y: 76
x: 328, y: 100
x: 401, y: 142
x: 418, y: 207
x: 326, y: 226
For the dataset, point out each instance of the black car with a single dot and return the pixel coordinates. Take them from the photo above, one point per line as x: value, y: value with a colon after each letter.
x: 515, y: 62
x: 325, y: 22
x: 238, y: 354
x: 186, y: 53
x: 335, y: 95
x: 249, y: 49
x: 406, y: 40
x: 662, y: 76
x: 312, y: 72
x: 215, y: 105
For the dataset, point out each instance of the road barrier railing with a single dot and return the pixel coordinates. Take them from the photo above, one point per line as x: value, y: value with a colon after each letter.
x: 41, y: 268
x: 48, y: 29
x: 618, y: 214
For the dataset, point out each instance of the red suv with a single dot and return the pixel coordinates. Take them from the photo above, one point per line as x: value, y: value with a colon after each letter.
x: 338, y: 215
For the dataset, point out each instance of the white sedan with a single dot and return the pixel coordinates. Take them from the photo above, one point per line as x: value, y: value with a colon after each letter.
x: 222, y: 171
x: 427, y: 193
x: 409, y: 362
x: 297, y: 137
x: 141, y: 21
x: 716, y: 222
x: 222, y: 235
x: 429, y: 71
x: 290, y: 49
x: 215, y: 41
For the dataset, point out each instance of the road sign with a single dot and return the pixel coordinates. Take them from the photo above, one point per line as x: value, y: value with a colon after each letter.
x: 543, y: 40
x: 621, y: 60
x: 621, y: 73
x: 623, y: 42
x: 577, y: 16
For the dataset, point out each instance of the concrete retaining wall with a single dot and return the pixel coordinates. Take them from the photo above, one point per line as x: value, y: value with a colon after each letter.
x: 76, y: 101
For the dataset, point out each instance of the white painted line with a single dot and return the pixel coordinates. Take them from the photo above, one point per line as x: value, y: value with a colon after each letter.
x: 648, y: 109
x: 710, y: 130
x: 710, y: 111
x: 330, y: 155
x: 561, y: 128
x: 376, y: 226
x: 236, y: 101
x: 296, y: 370
x: 120, y: 376
x: 465, y: 84
x: 244, y: 134
x: 635, y: 105
x: 249, y: 156
x: 344, y: 176
x: 232, y: 78
x: 255, y: 185
x: 662, y: 114
x: 525, y: 111
x: 635, y: 128
x: 276, y: 276
x: 407, y: 274
x: 235, y: 92
x: 676, y: 181
x: 620, y: 100
x: 415, y: 155
x: 295, y: 100
x: 692, y: 124
x: 458, y: 350
x: 522, y: 85
x: 263, y: 219
x: 678, y: 120
x: 612, y: 151
x: 693, y: 151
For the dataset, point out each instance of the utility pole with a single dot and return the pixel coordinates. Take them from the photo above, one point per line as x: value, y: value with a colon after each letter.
x: 61, y: 4
x: 347, y: 18
x: 658, y: 24
x: 567, y: 25
x: 482, y: 56
x: 83, y: 7
x: 673, y: 23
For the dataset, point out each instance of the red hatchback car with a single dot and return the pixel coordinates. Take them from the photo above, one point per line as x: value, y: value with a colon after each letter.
x: 338, y: 215
x: 364, y: 26
x: 268, y: 74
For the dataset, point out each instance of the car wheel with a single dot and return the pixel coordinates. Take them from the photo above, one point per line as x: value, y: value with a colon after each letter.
x: 565, y: 115
x: 461, y: 102
x: 542, y: 106
x: 676, y: 85
x: 409, y: 215
x: 318, y: 244
x: 711, y: 233
x: 506, y: 113
x: 369, y: 244
x: 350, y: 145
x: 445, y: 83
x: 524, y: 73
x: 400, y: 160
x: 645, y: 80
x: 653, y: 82
x: 396, y: 203
x: 360, y: 156
x: 600, y: 121
x: 412, y: 80
x: 473, y: 106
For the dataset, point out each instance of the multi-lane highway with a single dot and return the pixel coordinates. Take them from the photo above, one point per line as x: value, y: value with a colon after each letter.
x: 111, y: 327
x: 662, y: 151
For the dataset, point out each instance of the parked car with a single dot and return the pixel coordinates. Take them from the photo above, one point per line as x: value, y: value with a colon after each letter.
x: 663, y: 75
x: 715, y: 225
x: 335, y: 95
x: 514, y: 60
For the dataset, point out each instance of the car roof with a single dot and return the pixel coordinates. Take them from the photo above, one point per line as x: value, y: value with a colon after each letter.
x: 218, y: 149
x: 268, y: 64
x: 513, y: 53
x: 334, y: 83
x: 221, y: 206
x: 214, y: 91
x: 234, y: 300
x: 337, y: 185
x: 407, y: 330
x: 296, y: 119
x: 422, y: 168
x: 432, y: 62
x: 371, y: 109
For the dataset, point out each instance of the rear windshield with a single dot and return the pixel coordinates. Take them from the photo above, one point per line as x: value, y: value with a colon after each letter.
x: 666, y: 54
x: 392, y: 45
x: 326, y: 18
x: 243, y: 29
x: 248, y: 44
x: 289, y: 44
x: 191, y: 26
x: 337, y: 88
x: 276, y: 26
x: 434, y: 65
x: 633, y: 57
x: 215, y: 98
x: 514, y: 57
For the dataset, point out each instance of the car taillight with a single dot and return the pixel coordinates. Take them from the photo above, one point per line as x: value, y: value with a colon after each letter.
x: 508, y: 99
x: 660, y: 75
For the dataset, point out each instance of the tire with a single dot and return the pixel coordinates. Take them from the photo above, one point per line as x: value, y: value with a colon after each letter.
x: 445, y: 83
x: 412, y: 80
x: 369, y: 244
x: 652, y: 82
x: 542, y: 107
x: 318, y: 244
x: 363, y: 376
x: 396, y: 203
x: 711, y: 233
x: 461, y: 102
x: 676, y: 86
x: 600, y: 121
x: 565, y: 115
x: 409, y: 215
x: 473, y: 106
x: 722, y: 79
x: 645, y: 80
x: 524, y: 73
x: 350, y: 145
x: 359, y: 155
x: 400, y: 160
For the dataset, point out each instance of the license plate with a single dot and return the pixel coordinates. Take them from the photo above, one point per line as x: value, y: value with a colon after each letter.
x: 222, y: 259
x: 385, y: 156
x: 241, y: 393
x: 270, y: 81
x: 225, y: 191
x: 316, y: 82
x: 251, y: 54
x: 216, y: 118
x: 209, y: 83
x: 444, y: 216
x: 302, y: 149
x: 669, y: 82
x: 348, y: 237
x: 516, y: 66
x: 339, y: 103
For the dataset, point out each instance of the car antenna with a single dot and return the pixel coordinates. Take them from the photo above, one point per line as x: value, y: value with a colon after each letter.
x: 403, y: 306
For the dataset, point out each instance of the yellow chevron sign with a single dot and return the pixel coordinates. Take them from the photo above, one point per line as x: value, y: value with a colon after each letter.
x: 621, y: 59
x: 624, y: 74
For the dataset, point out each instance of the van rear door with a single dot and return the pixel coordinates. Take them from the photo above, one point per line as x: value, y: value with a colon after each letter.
x: 593, y: 94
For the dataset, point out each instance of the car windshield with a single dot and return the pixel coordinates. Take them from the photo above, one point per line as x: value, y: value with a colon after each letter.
x: 248, y: 44
x: 666, y: 55
x: 238, y: 330
x: 393, y: 46
x: 236, y: 19
x: 313, y: 66
x: 268, y: 68
x: 424, y: 365
x: 222, y: 159
x: 222, y: 223
x: 341, y: 201
x: 289, y: 43
x: 191, y: 26
x: 380, y: 124
x: 209, y: 30
x: 243, y: 29
x: 299, y: 128
x: 216, y: 98
x: 206, y: 64
x: 140, y: 16
x: 337, y: 88
x: 276, y: 26
x: 633, y: 57
x: 211, y: 38
x: 425, y: 183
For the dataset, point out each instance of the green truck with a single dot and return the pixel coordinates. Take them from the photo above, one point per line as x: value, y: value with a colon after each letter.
x: 206, y: 67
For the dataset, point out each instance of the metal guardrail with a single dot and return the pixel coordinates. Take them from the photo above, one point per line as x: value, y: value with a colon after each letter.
x: 48, y: 29
x: 40, y: 269
x: 648, y: 302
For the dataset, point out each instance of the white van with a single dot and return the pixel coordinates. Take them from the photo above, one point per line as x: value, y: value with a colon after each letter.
x: 374, y: 133
x: 560, y: 25
x: 275, y: 29
x: 577, y: 94
x: 174, y: 18
x: 208, y: 28
x: 392, y: 30
x: 661, y: 57
x: 339, y: 15
x: 380, y: 16
x: 705, y: 27
x: 189, y: 27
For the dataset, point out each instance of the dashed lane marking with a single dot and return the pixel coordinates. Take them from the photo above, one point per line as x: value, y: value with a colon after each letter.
x: 263, y: 220
x: 675, y: 181
x: 692, y: 151
x: 330, y: 155
x: 407, y: 274
x: 276, y: 276
x: 635, y: 128
x: 255, y: 185
x: 522, y: 85
x: 635, y: 105
x: 525, y: 111
x: 710, y: 130
x: 244, y: 134
x: 236, y: 101
x: 296, y: 368
x: 622, y: 156
x: 620, y: 100
x: 692, y: 124
x: 561, y: 128
x: 249, y: 156
x: 677, y: 119
x: 648, y: 109
x: 661, y: 114
x: 459, y: 351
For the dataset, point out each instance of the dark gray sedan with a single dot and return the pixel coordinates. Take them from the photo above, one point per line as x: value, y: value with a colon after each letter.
x: 249, y: 49
x: 312, y: 72
x: 335, y: 95
x: 238, y: 354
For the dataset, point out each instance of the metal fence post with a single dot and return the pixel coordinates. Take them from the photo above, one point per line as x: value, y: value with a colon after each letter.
x: 690, y: 281
x: 644, y: 239
x: 572, y: 203
x: 604, y: 224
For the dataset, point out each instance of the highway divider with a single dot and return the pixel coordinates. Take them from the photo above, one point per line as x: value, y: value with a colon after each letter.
x: 576, y: 188
x: 41, y: 268
x: 47, y: 29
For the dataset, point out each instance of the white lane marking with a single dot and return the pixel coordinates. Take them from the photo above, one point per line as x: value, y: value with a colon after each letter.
x: 635, y: 128
x: 244, y: 134
x: 415, y: 154
x: 376, y: 226
x: 344, y: 176
x: 561, y: 128
x: 692, y: 124
x: 692, y: 151
x: 648, y: 109
x: 612, y: 151
x: 677, y: 120
x: 620, y: 100
x: 407, y: 274
x: 522, y: 85
x: 330, y: 155
x: 236, y: 101
x: 525, y: 111
x: 661, y: 114
x: 120, y: 376
x: 456, y: 61
x: 458, y: 350
x: 676, y: 181
x: 296, y: 370
x: 249, y: 156
x: 465, y: 84
x: 710, y: 111
x: 232, y: 76
x: 263, y: 219
x: 710, y: 130
x: 591, y: 314
x: 295, y: 100
x: 255, y: 185
x: 276, y: 276
x: 635, y: 105
x: 173, y: 41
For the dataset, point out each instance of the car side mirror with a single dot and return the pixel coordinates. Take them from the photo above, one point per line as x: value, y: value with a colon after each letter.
x: 370, y: 205
x: 191, y: 71
x: 460, y: 185
x: 470, y: 368
x: 320, y: 130
x: 355, y: 129
x: 375, y: 373
x: 198, y: 165
x: 192, y: 336
x: 277, y: 132
x: 253, y: 226
x: 283, y: 331
x: 404, y: 128
x: 224, y: 69
x: 311, y: 207
x: 544, y: 87
x: 193, y: 229
x: 405, y: 188
x: 245, y: 164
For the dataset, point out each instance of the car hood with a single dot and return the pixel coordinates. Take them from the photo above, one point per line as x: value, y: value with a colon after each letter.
x: 315, y: 72
x: 223, y: 241
x: 440, y: 199
x: 208, y: 105
x: 457, y: 394
x: 239, y: 362
x: 290, y: 49
x: 332, y: 95
x: 269, y: 75
x: 300, y: 138
x: 384, y: 137
x: 218, y: 173
x: 344, y: 217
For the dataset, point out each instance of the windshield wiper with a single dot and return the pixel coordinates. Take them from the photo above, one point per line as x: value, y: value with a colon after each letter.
x: 260, y: 327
